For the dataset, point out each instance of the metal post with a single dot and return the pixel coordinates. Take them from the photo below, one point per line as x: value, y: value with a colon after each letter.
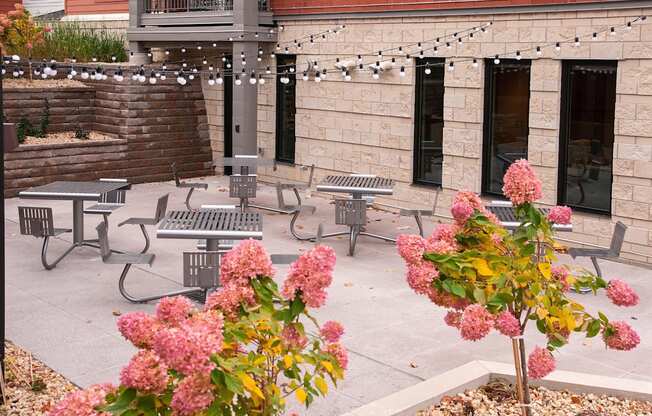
x: 78, y: 221
x: 212, y: 244
x: 2, y: 228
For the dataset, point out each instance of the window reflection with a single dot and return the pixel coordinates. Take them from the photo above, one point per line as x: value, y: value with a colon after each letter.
x: 285, y: 109
x: 429, y: 121
x: 507, y: 100
x: 587, y: 134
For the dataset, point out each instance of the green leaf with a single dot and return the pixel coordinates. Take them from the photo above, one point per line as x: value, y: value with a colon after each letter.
x: 296, y: 307
x: 479, y: 296
x: 457, y: 289
x: 147, y: 405
x: 541, y: 326
x: 123, y: 401
x: 603, y: 317
x: 233, y: 383
x: 218, y: 378
x: 501, y: 298
x: 594, y: 328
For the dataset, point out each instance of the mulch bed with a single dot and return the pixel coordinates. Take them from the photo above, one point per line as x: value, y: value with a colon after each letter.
x: 65, y: 137
x: 42, y: 83
x: 497, y: 399
x: 32, y: 388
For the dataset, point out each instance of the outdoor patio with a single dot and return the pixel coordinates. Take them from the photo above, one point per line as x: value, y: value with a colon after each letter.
x: 66, y: 317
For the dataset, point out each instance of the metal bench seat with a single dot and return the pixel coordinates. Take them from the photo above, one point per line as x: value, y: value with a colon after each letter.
x: 186, y: 185
x: 613, y: 252
x: 102, y: 208
x: 130, y: 258
x: 38, y: 222
x: 109, y: 202
x: 295, y: 187
x: 161, y: 208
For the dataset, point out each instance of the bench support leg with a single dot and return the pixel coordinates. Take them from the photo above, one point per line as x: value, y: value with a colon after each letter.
x: 130, y: 298
x: 44, y: 250
x: 188, y: 199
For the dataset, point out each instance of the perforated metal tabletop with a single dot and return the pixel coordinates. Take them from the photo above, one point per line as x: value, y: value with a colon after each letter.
x: 507, y: 217
x: 71, y: 190
x: 357, y: 184
x: 215, y: 224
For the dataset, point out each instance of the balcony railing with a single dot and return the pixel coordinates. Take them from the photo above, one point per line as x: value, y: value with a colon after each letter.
x: 185, y: 6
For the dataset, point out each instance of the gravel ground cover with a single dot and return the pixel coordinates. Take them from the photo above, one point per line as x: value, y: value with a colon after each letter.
x: 497, y: 399
x: 32, y: 388
x: 42, y: 83
x: 65, y: 137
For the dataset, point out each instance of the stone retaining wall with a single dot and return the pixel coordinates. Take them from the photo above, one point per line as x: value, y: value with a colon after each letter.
x: 70, y: 108
x: 154, y: 125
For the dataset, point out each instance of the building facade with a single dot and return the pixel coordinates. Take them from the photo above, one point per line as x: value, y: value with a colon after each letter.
x: 106, y: 14
x: 566, y: 92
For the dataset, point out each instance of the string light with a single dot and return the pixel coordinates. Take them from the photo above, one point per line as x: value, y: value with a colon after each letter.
x: 402, y: 73
x: 428, y: 71
x: 577, y: 41
x: 539, y: 52
x: 557, y: 46
x: 475, y: 63
x: 496, y: 60
x: 451, y: 66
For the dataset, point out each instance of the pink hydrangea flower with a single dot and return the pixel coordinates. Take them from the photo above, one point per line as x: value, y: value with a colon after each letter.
x: 310, y: 275
x: 145, y: 372
x: 621, y: 294
x: 560, y: 215
x: 188, y: 348
x: 420, y: 277
x: 138, y: 328
x: 84, y: 402
x: 192, y: 395
x: 453, y: 318
x: 540, y: 363
x: 521, y: 184
x: 444, y: 232
x: 462, y: 211
x: 622, y: 337
x: 476, y: 323
x: 228, y: 299
x: 411, y: 247
x: 507, y: 324
x: 332, y: 331
x: 244, y: 262
x: 173, y: 311
x: 294, y: 338
x: 560, y: 274
x: 340, y: 353
x: 441, y: 247
x: 447, y: 300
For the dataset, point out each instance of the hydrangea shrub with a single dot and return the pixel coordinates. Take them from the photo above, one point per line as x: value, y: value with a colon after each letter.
x: 244, y: 353
x: 491, y: 279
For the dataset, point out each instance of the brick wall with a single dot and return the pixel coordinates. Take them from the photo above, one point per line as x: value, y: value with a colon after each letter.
x: 367, y: 126
x: 154, y: 125
x: 70, y: 108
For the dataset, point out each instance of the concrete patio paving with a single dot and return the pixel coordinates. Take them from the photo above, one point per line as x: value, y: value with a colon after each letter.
x: 66, y: 316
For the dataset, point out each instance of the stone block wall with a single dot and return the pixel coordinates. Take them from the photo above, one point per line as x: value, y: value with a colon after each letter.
x: 154, y: 125
x: 70, y: 108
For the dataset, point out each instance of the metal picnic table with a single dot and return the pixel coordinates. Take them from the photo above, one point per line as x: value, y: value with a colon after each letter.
x: 352, y: 211
x: 211, y: 225
x: 77, y: 192
x: 506, y: 214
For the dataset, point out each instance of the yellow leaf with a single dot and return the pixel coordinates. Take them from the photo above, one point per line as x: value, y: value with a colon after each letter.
x: 320, y: 383
x: 328, y: 366
x: 250, y: 385
x: 298, y: 358
x: 287, y: 360
x: 482, y: 267
x: 545, y: 269
x: 301, y: 395
x: 542, y: 313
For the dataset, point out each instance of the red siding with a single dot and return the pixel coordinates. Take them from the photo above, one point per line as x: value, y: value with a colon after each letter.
x: 8, y: 5
x: 287, y: 7
x: 96, y: 6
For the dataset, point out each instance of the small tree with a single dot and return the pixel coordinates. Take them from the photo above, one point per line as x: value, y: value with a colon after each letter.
x: 243, y: 354
x: 489, y: 278
x: 19, y: 33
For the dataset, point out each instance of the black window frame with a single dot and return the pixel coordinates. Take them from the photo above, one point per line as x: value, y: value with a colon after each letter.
x: 282, y: 67
x: 228, y: 111
x: 436, y: 63
x: 487, y: 128
x: 564, y: 120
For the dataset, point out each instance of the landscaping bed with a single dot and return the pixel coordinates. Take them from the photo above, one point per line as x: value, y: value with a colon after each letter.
x: 32, y: 387
x: 67, y: 137
x: 497, y: 398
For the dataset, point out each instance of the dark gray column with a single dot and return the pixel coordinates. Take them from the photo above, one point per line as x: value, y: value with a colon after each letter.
x: 245, y: 100
x: 137, y: 54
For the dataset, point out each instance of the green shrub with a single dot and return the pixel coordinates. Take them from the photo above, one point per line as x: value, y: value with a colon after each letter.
x: 26, y: 128
x: 70, y: 39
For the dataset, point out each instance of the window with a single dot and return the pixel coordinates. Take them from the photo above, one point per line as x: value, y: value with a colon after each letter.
x: 507, y: 107
x: 228, y: 112
x: 429, y: 121
x: 285, y: 108
x: 588, y: 101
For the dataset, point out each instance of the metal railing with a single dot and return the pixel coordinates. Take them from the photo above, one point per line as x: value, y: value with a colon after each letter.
x: 184, y: 6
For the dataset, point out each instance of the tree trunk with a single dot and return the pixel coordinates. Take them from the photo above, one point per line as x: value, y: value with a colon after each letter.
x: 520, y: 367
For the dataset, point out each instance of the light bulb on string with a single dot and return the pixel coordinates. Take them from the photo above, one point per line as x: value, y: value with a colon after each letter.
x: 402, y: 72
x: 272, y: 55
x: 305, y: 76
x: 518, y: 55
x: 451, y: 66
x: 268, y: 70
x: 73, y: 72
x: 459, y: 40
x: 215, y: 45
x: 94, y: 59
x: 448, y: 45
x: 181, y: 79
x: 223, y: 58
x: 141, y: 76
x: 375, y: 75
x: 134, y: 75
x: 261, y: 79
x: 577, y: 41
x: 113, y: 58
x: 194, y: 69
x: 167, y: 52
x: 228, y: 65
x: 629, y: 26
x: 361, y: 66
x: 84, y: 74
x: 475, y: 63
x: 317, y: 76
x: 612, y: 31
x: 436, y: 50
x: 359, y: 58
x: 211, y: 79
x: 191, y: 76
x: 219, y: 80
x: 539, y: 52
x: 252, y: 78
x: 315, y: 66
x: 496, y: 60
x: 292, y: 69
x: 594, y: 36
x: 69, y: 75
x: 73, y: 60
x: 16, y: 74
x: 427, y: 69
x: 118, y: 75
x: 204, y: 61
x: 211, y: 68
x: 400, y: 50
x: 199, y: 47
x: 183, y: 50
x: 152, y: 78
x: 421, y: 54
x: 419, y: 45
x: 347, y: 76
x: 184, y: 64
x: 558, y: 46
